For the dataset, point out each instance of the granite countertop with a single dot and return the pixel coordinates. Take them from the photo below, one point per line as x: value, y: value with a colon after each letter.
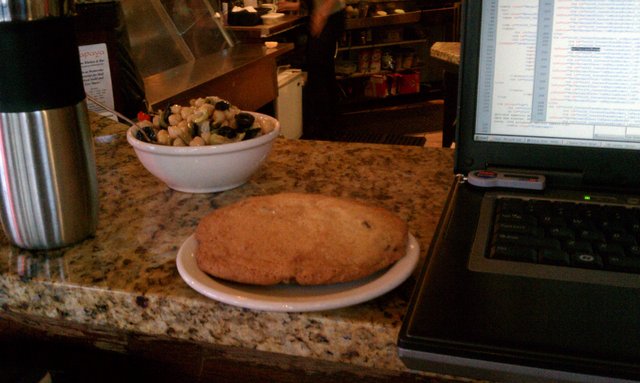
x: 446, y: 51
x: 125, y: 278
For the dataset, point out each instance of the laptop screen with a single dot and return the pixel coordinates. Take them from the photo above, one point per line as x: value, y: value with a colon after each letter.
x: 559, y: 72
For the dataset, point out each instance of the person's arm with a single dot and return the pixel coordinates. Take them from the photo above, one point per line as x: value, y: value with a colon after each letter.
x: 290, y: 6
x: 320, y: 15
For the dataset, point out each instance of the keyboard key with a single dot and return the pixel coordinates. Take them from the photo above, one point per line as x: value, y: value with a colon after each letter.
x: 520, y: 228
x: 589, y: 261
x: 564, y: 209
x: 591, y: 235
x: 573, y: 234
x: 513, y: 217
x: 610, y: 250
x: 628, y: 264
x: 513, y: 205
x: 591, y: 212
x: 633, y: 251
x: 515, y: 253
x: 554, y: 257
x: 613, y: 227
x: 634, y: 225
x: 526, y: 240
x: 551, y: 220
x: 573, y: 246
x: 580, y: 223
x: 562, y: 233
x: 623, y: 238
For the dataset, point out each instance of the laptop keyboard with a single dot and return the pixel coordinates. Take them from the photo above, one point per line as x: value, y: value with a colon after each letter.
x: 583, y: 235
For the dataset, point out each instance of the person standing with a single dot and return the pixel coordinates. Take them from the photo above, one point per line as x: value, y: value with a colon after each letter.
x: 320, y: 97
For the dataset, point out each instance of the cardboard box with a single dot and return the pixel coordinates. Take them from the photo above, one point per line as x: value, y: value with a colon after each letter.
x: 376, y: 64
x: 377, y: 86
x: 392, y: 83
x: 383, y: 85
x: 408, y: 82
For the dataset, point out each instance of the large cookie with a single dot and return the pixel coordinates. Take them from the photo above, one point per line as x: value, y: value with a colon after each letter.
x: 307, y: 239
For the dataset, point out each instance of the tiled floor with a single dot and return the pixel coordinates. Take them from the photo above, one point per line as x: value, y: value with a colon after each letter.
x: 434, y: 139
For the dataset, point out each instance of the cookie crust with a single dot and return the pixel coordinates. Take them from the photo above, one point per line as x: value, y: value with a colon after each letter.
x: 308, y: 239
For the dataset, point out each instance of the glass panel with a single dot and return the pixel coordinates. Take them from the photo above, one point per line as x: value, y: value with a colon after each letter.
x: 168, y: 33
x: 195, y: 22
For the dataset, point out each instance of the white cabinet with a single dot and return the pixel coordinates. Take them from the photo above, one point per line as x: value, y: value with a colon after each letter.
x: 289, y: 102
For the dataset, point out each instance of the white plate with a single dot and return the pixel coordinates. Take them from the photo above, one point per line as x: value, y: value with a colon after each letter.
x: 295, y: 298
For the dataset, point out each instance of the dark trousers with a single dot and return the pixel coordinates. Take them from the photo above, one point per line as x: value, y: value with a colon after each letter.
x: 321, y: 90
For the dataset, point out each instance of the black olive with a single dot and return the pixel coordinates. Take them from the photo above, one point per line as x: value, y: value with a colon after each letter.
x: 164, y: 118
x: 195, y: 129
x: 222, y: 105
x: 244, y: 120
x: 225, y: 131
x: 145, y: 134
x: 150, y: 133
x: 251, y: 133
x: 140, y: 136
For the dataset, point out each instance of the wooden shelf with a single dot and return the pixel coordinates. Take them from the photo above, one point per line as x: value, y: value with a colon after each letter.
x: 355, y: 2
x: 379, y: 45
x: 381, y: 21
x: 262, y: 31
x: 361, y: 74
x: 354, y: 75
x: 387, y: 32
x: 370, y: 104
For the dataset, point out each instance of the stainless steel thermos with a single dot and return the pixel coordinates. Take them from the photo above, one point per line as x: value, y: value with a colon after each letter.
x: 48, y: 184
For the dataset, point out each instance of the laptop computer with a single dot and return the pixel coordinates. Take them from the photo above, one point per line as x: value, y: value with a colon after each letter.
x: 549, y: 109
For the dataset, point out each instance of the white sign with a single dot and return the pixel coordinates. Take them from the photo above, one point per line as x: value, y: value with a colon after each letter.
x: 94, y: 60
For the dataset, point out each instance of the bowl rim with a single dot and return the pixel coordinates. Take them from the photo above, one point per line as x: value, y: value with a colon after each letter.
x: 272, y: 15
x: 207, y: 149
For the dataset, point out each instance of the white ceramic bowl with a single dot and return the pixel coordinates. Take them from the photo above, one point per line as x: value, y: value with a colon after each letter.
x: 271, y: 18
x: 211, y: 168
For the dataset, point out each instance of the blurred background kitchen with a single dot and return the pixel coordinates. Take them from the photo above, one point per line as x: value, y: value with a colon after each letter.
x: 147, y: 54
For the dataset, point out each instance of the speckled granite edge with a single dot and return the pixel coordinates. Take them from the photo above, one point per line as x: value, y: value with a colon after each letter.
x: 327, y: 336
x: 126, y: 276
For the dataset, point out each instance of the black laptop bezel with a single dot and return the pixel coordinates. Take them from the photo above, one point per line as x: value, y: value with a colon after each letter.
x: 596, y: 168
x: 470, y: 323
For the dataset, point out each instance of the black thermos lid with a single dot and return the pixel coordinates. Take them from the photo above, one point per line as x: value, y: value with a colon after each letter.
x: 39, y: 62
